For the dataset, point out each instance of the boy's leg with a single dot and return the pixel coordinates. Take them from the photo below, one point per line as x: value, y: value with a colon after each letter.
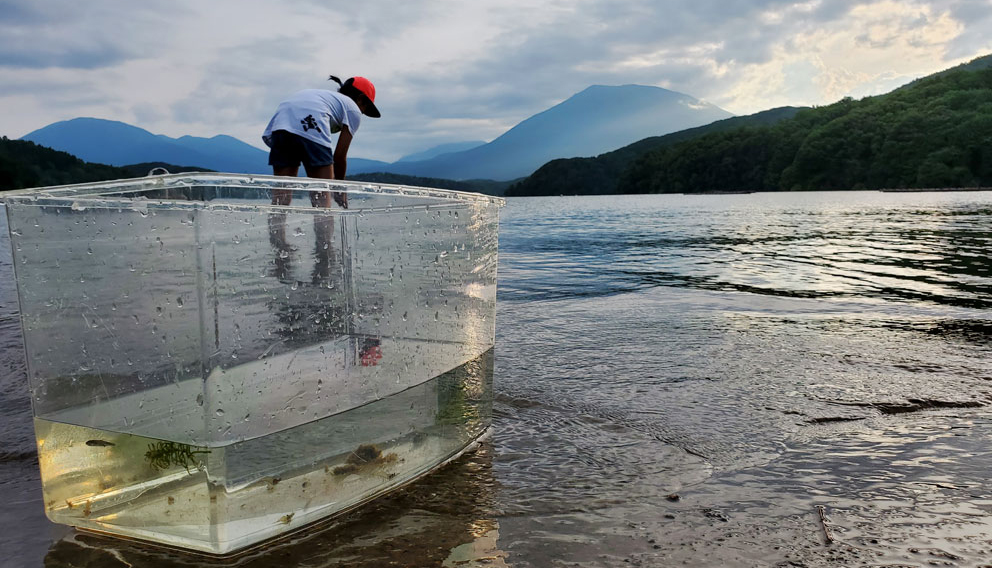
x: 318, y: 199
x: 283, y: 196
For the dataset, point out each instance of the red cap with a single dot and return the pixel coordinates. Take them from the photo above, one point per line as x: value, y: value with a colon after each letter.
x: 368, y: 89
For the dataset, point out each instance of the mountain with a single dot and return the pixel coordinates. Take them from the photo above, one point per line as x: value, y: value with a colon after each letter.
x: 442, y: 149
x: 117, y: 143
x: 599, y: 175
x: 598, y: 119
x: 359, y: 166
x: 934, y: 132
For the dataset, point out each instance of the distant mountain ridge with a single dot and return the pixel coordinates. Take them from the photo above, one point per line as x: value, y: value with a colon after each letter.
x: 595, y: 120
x: 117, y: 143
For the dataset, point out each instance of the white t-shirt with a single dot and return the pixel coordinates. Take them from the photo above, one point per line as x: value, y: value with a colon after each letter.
x: 315, y: 114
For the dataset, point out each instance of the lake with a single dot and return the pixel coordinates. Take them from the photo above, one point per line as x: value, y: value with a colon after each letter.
x: 798, y: 379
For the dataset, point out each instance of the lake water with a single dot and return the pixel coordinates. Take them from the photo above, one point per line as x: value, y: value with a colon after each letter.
x: 713, y: 380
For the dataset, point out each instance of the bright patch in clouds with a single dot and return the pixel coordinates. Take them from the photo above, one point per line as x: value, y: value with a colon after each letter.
x: 873, y: 49
x: 700, y: 55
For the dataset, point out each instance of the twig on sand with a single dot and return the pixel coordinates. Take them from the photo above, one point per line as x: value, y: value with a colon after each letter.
x: 823, y: 523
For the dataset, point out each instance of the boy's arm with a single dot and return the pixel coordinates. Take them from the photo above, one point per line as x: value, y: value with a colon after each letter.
x: 341, y: 163
x: 341, y: 153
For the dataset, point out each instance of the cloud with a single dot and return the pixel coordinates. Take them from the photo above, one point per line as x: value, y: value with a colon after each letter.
x: 976, y: 37
x: 558, y: 52
x: 872, y: 48
x: 447, y: 70
x: 78, y: 35
x: 249, y: 80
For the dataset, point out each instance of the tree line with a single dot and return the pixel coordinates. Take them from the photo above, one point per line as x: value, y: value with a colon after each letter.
x: 24, y: 164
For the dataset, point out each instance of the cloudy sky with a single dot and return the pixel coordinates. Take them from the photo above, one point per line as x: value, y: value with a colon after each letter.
x: 455, y: 70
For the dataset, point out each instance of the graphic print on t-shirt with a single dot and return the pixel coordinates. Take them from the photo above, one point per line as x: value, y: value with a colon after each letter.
x: 309, y: 122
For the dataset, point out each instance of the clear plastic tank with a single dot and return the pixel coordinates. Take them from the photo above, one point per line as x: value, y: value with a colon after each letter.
x: 209, y: 370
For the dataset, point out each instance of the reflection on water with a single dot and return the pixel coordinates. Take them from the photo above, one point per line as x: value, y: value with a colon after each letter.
x: 928, y: 248
x: 316, y: 308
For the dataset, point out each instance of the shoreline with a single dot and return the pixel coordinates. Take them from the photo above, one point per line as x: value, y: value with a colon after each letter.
x: 933, y: 189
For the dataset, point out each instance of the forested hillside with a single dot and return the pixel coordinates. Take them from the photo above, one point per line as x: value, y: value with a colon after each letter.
x: 25, y: 164
x: 600, y: 175
x: 935, y: 132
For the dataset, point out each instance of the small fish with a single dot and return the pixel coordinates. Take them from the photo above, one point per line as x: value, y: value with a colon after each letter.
x: 99, y: 443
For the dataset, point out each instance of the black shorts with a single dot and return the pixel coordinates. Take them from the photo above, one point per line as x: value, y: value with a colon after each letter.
x: 287, y: 150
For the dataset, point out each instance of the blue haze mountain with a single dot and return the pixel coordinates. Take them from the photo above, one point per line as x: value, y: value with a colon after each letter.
x: 441, y: 149
x: 116, y: 143
x: 596, y: 120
